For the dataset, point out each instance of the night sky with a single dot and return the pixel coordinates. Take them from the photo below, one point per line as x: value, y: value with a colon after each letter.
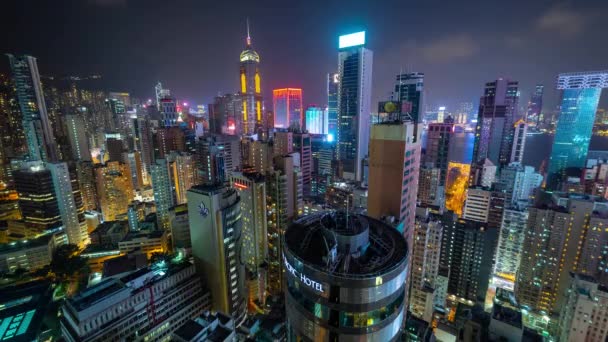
x: 193, y: 46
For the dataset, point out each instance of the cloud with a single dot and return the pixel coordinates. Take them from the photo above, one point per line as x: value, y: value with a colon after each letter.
x: 108, y: 3
x: 449, y: 49
x: 563, y: 21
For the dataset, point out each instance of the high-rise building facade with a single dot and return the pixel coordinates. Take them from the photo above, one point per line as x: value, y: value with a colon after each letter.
x: 409, y: 90
x: 580, y: 97
x: 217, y: 156
x: 510, y: 243
x: 345, y: 278
x: 77, y: 135
x: 519, y: 141
x: 316, y: 120
x: 535, y: 106
x: 183, y: 174
x: 37, y: 198
x: 495, y: 120
x: 333, y: 86
x: 437, y: 150
x: 36, y: 124
x: 164, y: 197
x: 302, y: 145
x: 114, y: 189
x: 251, y: 188
x: 216, y: 231
x: 288, y: 109
x: 354, y: 104
x: 70, y: 204
x: 251, y: 89
x: 394, y: 162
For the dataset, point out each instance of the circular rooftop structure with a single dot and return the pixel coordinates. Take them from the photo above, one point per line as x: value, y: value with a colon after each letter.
x: 345, y: 278
x: 346, y: 245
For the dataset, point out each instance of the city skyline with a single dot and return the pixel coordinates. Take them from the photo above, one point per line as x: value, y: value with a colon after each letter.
x: 179, y: 57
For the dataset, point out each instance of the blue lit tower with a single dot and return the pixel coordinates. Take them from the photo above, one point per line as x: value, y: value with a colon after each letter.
x: 333, y: 85
x: 251, y: 91
x: 354, y: 96
x: 38, y: 132
x: 580, y: 97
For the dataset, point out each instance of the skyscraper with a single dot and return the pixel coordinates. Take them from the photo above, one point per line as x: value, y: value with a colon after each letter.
x: 37, y: 198
x: 114, y: 189
x: 409, y: 90
x: 519, y: 141
x: 394, y: 161
x: 316, y: 120
x: 535, y: 106
x: 302, y: 145
x: 251, y: 89
x: 495, y: 120
x: 38, y: 131
x: 70, y: 204
x: 288, y: 110
x: 183, y: 174
x: 163, y: 191
x: 217, y: 156
x: 580, y: 97
x: 333, y: 86
x: 77, y: 135
x: 215, y: 228
x: 354, y: 107
x: 251, y: 188
x: 438, y: 148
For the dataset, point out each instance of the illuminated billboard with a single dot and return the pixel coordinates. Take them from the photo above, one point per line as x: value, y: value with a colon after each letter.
x: 353, y: 39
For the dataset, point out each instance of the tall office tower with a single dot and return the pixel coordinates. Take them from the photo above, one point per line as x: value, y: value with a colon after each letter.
x: 535, y: 105
x: 495, y: 119
x: 36, y: 125
x: 519, y: 141
x: 283, y: 201
x: 561, y: 236
x: 283, y: 143
x: 169, y: 139
x: 288, y: 110
x: 86, y: 184
x: 316, y: 120
x: 441, y: 114
x: 13, y: 136
x: 215, y: 229
x: 425, y: 264
x: 70, y: 205
x: 168, y: 111
x: 580, y: 97
x: 114, y: 189
x: 483, y: 174
x: 183, y: 174
x: 335, y: 259
x: 116, y: 111
x: 133, y: 159
x: 115, y: 146
x: 217, y: 156
x: 180, y: 228
x: 251, y: 188
x: 225, y: 115
x: 163, y: 191
x: 142, y: 136
x: 463, y: 112
x: 429, y: 190
x: 468, y: 250
x: 146, y: 304
x: 354, y: 96
x: 583, y: 317
x: 322, y: 157
x: 302, y: 145
x: 510, y: 242
x: 251, y: 89
x: 160, y: 93
x: 437, y: 151
x: 333, y: 86
x: 394, y: 162
x: 77, y: 136
x: 409, y: 90
x: 260, y: 156
x: 485, y: 206
x: 518, y: 182
x: 37, y: 198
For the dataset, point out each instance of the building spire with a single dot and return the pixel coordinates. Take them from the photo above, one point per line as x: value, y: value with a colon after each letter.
x: 248, y: 35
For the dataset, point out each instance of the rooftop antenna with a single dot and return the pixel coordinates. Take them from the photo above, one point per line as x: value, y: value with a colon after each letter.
x: 248, y: 35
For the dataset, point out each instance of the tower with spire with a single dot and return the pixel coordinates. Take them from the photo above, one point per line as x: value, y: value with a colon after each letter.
x: 251, y: 90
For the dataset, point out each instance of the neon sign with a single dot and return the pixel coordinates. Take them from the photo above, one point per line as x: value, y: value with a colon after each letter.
x: 302, y: 277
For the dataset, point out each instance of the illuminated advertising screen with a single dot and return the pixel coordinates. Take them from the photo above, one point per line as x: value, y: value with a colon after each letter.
x: 350, y: 40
